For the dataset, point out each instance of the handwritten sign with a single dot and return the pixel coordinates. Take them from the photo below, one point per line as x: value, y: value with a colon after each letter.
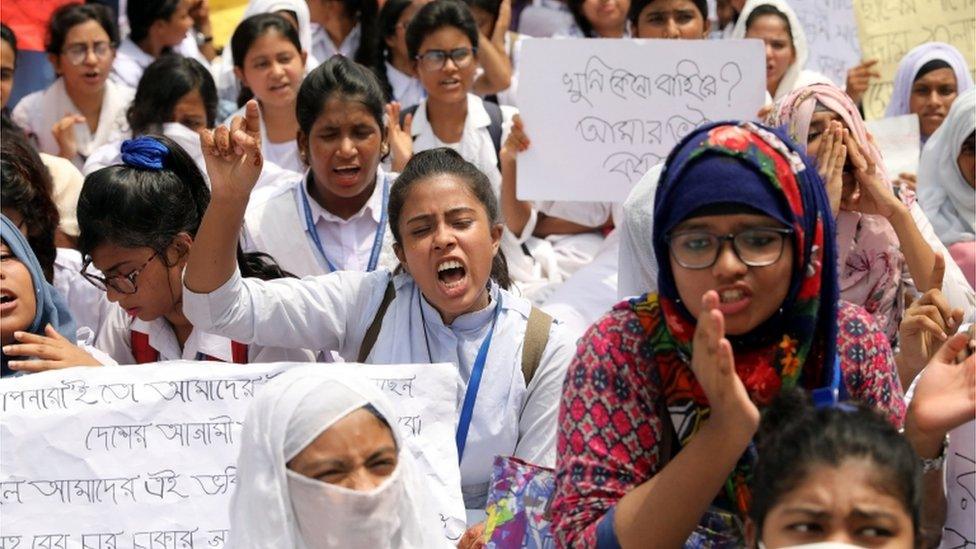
x: 890, y: 28
x: 831, y: 32
x: 600, y: 113
x: 144, y: 457
x: 898, y: 138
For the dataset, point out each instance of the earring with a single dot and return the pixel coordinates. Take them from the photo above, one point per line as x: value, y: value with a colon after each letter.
x: 384, y: 148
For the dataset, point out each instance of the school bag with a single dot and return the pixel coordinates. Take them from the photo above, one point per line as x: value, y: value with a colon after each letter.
x: 494, y: 125
x: 536, y: 335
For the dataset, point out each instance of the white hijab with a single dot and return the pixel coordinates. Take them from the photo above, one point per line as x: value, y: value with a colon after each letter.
x: 275, y: 507
x: 946, y: 198
x: 227, y: 85
x: 794, y: 76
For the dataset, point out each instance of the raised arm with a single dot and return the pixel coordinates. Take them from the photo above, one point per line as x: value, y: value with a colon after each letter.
x: 234, y: 161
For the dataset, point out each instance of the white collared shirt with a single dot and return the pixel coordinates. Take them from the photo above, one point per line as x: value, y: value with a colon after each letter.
x: 407, y: 90
x: 115, y: 339
x: 323, y: 48
x: 275, y: 224
x: 285, y: 154
x: 130, y: 61
x: 334, y: 311
x: 475, y: 145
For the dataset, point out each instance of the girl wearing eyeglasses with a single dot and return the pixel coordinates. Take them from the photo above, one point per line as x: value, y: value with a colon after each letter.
x: 665, y: 393
x: 138, y: 222
x: 82, y: 109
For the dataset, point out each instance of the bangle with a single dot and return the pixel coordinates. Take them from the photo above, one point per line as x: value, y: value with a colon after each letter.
x: 936, y: 463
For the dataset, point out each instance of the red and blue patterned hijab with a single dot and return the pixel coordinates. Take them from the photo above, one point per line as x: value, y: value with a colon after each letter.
x: 771, y: 176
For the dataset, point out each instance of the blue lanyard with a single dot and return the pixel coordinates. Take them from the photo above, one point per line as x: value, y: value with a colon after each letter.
x: 471, y: 394
x: 374, y: 254
x: 835, y: 392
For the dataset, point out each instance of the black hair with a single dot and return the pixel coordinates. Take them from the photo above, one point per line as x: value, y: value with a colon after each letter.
x: 8, y: 36
x: 437, y: 15
x: 932, y: 65
x: 365, y: 11
x: 143, y: 13
x: 769, y: 9
x: 445, y: 161
x: 136, y: 207
x: 67, y: 17
x: 386, y: 24
x: 637, y: 6
x: 794, y: 437
x: 248, y: 31
x: 491, y: 7
x: 339, y: 76
x: 153, y: 103
x: 26, y: 187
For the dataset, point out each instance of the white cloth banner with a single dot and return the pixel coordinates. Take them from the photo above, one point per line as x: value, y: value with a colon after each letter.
x: 601, y: 112
x: 144, y: 456
x: 831, y: 31
x: 898, y: 138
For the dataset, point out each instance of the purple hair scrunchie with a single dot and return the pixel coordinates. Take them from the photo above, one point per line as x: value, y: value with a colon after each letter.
x: 144, y: 152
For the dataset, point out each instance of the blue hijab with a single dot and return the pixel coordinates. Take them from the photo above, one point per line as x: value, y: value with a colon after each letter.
x: 51, y: 307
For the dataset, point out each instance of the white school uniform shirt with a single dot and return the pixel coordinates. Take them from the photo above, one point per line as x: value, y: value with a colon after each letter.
x: 115, y: 340
x: 475, y: 145
x: 334, y: 311
x: 284, y: 154
x: 275, y: 224
x: 406, y: 89
x: 88, y: 304
x: 130, y: 61
x: 40, y: 111
x: 110, y: 154
x: 323, y: 48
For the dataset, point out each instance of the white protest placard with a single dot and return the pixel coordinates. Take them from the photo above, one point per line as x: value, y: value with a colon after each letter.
x: 601, y: 112
x: 144, y: 457
x: 898, y: 138
x: 831, y: 30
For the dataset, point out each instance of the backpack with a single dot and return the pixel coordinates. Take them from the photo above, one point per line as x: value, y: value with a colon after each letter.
x: 536, y: 335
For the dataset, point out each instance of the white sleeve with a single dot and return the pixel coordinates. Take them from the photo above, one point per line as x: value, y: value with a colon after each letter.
x: 539, y: 417
x: 316, y: 312
x: 23, y: 113
x: 955, y: 287
x: 113, y: 337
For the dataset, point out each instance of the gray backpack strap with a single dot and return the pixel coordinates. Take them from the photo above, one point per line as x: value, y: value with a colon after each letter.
x: 374, y: 327
x: 536, y: 339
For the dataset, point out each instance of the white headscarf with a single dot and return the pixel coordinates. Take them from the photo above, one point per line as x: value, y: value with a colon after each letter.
x: 227, y: 84
x: 274, y: 507
x: 913, y: 61
x: 794, y: 76
x: 945, y: 196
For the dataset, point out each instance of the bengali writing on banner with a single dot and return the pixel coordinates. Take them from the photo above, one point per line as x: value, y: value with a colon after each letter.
x: 890, y: 28
x: 831, y: 36
x: 601, y: 113
x: 145, y: 456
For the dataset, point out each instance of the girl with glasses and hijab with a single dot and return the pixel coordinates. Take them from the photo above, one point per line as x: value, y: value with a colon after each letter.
x: 665, y: 393
x: 321, y: 467
x: 82, y: 110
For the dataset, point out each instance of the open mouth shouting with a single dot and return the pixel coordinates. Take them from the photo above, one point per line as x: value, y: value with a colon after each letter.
x: 452, y: 277
x: 8, y: 302
x: 450, y: 84
x: 347, y: 176
x: 733, y: 299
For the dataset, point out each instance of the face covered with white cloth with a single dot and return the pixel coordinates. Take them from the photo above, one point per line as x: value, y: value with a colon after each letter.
x: 274, y: 506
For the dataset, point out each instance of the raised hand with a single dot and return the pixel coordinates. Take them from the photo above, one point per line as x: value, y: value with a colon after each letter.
x: 859, y: 78
x: 502, y: 23
x: 52, y: 352
x: 945, y: 395
x: 713, y: 364
x: 830, y: 162
x: 873, y: 195
x: 401, y: 140
x: 927, y: 323
x: 64, y: 133
x: 516, y: 142
x: 233, y: 155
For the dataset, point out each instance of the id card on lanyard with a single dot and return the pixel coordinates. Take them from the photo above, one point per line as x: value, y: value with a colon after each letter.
x: 471, y: 393
x: 374, y: 254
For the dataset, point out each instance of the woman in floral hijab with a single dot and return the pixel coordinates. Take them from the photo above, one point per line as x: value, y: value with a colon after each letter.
x: 664, y: 395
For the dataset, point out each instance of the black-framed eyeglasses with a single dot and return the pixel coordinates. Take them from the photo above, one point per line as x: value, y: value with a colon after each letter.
x: 434, y: 60
x: 76, y: 53
x: 756, y: 247
x: 124, y: 284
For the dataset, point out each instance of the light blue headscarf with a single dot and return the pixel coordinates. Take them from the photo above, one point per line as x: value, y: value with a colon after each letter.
x: 51, y: 307
x: 913, y: 61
